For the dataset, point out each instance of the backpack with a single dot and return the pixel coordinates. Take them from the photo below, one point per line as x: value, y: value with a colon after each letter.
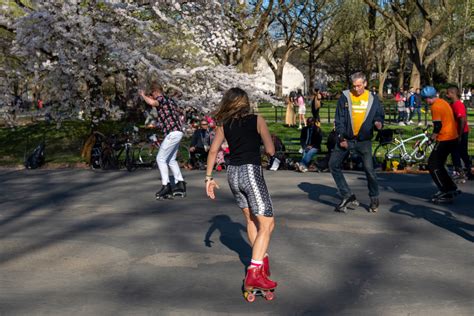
x: 384, y: 136
x: 36, y: 158
x: 96, y: 153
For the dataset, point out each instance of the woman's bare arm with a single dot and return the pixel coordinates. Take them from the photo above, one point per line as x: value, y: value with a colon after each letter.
x: 211, y: 160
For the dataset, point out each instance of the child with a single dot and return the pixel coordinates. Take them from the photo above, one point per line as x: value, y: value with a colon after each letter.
x: 244, y: 133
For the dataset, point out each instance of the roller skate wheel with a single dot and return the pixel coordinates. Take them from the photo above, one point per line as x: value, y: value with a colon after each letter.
x: 269, y: 296
x: 250, y: 297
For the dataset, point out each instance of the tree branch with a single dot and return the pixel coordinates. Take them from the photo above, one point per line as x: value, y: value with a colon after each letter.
x: 454, y: 37
x: 396, y: 20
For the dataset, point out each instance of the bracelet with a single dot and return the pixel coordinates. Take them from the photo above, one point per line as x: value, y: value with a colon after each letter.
x: 209, y: 175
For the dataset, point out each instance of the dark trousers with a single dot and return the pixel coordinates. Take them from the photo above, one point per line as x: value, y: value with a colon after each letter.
x: 316, y: 114
x: 436, y: 163
x: 461, y: 153
x: 402, y: 116
x: 197, y: 152
x: 416, y: 111
x: 364, y: 149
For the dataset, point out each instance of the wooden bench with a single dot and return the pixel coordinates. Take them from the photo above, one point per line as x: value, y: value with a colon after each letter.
x: 293, y: 150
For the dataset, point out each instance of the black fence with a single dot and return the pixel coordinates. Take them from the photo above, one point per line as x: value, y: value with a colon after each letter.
x: 277, y: 114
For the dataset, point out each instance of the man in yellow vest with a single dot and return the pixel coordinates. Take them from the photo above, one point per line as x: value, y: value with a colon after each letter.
x: 357, y: 113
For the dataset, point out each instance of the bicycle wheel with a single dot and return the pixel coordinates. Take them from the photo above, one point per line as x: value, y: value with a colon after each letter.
x: 147, y: 156
x: 423, y: 152
x: 383, y: 154
x: 131, y: 156
x: 108, y: 160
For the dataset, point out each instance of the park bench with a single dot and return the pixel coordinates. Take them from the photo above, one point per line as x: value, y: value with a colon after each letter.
x: 292, y: 150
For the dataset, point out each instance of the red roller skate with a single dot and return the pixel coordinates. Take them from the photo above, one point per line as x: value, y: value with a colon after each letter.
x: 257, y: 284
x: 266, y: 266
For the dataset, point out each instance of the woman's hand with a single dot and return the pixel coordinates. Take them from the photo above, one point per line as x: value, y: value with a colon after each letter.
x: 210, y: 186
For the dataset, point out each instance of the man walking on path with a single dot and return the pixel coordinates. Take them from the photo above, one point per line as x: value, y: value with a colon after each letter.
x: 446, y: 136
x: 460, y: 115
x: 357, y: 112
x: 169, y: 122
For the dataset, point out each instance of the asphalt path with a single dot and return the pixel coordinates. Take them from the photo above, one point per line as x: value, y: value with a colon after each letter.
x: 82, y: 242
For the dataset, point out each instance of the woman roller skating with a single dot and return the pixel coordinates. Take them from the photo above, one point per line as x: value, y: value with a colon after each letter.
x: 244, y: 133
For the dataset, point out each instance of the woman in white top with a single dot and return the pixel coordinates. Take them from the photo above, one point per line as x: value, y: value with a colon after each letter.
x: 301, y: 109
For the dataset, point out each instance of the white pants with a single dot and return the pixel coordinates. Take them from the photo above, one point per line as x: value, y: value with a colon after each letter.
x: 167, y: 157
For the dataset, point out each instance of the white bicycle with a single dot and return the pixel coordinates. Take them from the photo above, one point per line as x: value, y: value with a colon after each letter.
x: 413, y: 150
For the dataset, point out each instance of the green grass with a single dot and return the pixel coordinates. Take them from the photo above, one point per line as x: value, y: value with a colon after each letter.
x: 275, y: 117
x: 64, y: 143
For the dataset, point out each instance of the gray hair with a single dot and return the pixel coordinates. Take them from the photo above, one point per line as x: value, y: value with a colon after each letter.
x: 358, y: 75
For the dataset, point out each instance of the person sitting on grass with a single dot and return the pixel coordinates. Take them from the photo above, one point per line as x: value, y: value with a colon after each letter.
x: 311, y: 137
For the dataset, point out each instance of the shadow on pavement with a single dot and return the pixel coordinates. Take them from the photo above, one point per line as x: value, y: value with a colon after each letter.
x: 408, y: 184
x: 317, y: 191
x: 440, y: 218
x: 230, y: 236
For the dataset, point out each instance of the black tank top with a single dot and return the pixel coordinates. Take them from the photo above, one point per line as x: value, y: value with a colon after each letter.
x: 244, y: 141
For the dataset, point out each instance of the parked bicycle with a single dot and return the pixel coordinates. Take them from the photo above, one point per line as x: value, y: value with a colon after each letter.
x: 111, y: 150
x: 413, y: 150
x: 142, y: 154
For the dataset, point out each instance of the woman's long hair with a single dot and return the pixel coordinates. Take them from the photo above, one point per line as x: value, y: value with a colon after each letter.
x: 235, y: 104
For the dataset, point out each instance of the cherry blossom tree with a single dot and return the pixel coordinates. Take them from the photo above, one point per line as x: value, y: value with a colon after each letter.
x: 72, y: 49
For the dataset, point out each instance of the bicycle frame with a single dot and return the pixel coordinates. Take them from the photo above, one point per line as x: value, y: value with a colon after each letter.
x: 405, y: 154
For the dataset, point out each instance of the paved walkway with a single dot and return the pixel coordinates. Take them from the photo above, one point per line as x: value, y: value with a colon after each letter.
x: 78, y: 242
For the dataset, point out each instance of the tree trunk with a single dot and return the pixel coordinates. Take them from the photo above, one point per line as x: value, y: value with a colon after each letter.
x: 382, y: 76
x: 371, y: 45
x: 415, y: 78
x: 382, y: 79
x: 279, y: 81
x: 402, y: 63
x: 311, y: 70
x: 248, y: 65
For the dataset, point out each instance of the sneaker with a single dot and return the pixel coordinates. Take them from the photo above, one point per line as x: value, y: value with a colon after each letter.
x: 180, y: 189
x: 450, y: 194
x: 299, y: 127
x: 411, y: 122
x: 446, y: 197
x: 302, y: 167
x: 374, y: 204
x: 275, y: 164
x: 348, y: 202
x: 166, y: 192
x: 298, y: 167
x: 401, y: 124
x: 420, y: 124
x: 437, y: 194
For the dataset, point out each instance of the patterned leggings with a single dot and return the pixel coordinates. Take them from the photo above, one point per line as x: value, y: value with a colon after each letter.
x: 249, y: 189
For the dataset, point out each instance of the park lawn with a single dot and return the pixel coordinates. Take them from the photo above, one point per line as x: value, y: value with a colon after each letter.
x: 275, y: 117
x: 63, y: 142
